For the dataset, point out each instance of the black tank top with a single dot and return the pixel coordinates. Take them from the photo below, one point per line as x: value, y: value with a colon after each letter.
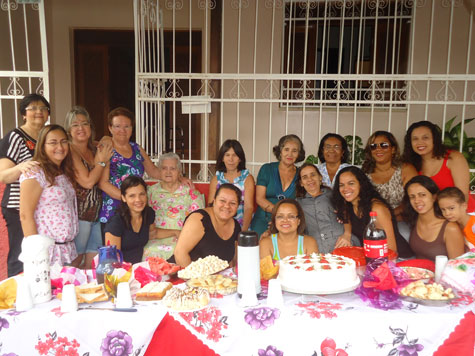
x: 358, y: 226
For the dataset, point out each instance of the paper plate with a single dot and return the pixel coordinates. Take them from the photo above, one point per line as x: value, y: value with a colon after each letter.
x: 321, y: 292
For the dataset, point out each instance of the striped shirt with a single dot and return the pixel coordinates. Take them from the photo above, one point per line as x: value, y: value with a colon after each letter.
x: 17, y: 146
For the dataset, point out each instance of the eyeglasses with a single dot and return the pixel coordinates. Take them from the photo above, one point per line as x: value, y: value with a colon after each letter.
x: 37, y: 108
x: 80, y: 124
x: 119, y: 127
x: 286, y: 217
x: 332, y: 147
x: 382, y: 145
x: 56, y: 143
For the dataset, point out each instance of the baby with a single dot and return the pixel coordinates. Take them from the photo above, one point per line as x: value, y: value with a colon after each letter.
x: 453, y: 205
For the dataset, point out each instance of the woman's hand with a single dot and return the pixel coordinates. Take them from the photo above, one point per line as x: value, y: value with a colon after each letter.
x: 343, y: 241
x: 28, y: 167
x: 104, y: 151
x: 187, y: 182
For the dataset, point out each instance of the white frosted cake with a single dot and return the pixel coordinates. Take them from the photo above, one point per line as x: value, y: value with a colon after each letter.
x: 318, y: 274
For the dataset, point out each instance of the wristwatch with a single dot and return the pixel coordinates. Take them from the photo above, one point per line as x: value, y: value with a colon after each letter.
x: 102, y: 164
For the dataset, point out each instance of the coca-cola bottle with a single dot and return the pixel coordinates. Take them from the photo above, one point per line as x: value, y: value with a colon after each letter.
x: 375, y: 241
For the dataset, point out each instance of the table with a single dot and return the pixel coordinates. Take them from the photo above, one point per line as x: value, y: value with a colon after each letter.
x: 305, y: 326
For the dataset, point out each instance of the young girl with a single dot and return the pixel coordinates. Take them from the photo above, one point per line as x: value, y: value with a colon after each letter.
x: 231, y: 168
x: 47, y: 196
x: 287, y: 228
x: 453, y: 205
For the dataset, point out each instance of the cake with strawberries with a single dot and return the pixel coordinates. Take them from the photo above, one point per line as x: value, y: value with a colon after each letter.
x: 318, y: 274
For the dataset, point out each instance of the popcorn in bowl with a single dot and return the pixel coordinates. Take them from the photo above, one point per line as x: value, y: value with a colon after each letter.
x: 203, y: 267
x: 433, y: 291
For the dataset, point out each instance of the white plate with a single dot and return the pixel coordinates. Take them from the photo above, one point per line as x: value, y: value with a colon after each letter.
x: 336, y: 291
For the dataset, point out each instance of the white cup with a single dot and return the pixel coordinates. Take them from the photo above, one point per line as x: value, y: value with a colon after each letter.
x: 440, y: 263
x: 249, y: 296
x: 124, y: 299
x: 274, y: 294
x: 69, y: 302
x: 24, y: 300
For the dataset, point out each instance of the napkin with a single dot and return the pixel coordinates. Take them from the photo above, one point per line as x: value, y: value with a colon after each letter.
x: 8, y: 293
x: 384, y: 280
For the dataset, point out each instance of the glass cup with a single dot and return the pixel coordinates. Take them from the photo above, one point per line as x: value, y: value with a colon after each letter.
x: 440, y: 263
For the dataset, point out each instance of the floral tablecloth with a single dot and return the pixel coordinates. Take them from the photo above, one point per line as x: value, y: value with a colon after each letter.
x: 330, y: 325
x: 44, y: 330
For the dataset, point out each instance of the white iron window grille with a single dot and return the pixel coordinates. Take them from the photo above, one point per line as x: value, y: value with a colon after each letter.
x: 353, y: 37
x: 24, y: 59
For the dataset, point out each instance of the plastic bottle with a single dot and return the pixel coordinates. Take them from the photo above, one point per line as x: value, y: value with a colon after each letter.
x: 375, y: 241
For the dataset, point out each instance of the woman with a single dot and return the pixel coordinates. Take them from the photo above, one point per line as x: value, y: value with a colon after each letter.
x: 132, y: 226
x: 287, y: 228
x: 355, y: 198
x: 211, y: 231
x: 128, y: 158
x: 47, y: 196
x: 423, y: 148
x: 431, y: 234
x: 16, y: 150
x: 276, y: 180
x: 388, y: 174
x: 333, y: 154
x: 320, y: 217
x: 89, y: 163
x: 231, y: 168
x: 172, y: 201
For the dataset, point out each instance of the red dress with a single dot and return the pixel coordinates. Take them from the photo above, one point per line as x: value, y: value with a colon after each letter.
x: 444, y: 179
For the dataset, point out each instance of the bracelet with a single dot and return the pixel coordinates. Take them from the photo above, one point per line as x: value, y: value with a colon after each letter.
x: 265, y: 209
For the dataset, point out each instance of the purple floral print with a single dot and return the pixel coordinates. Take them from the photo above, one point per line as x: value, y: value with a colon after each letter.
x: 261, y: 318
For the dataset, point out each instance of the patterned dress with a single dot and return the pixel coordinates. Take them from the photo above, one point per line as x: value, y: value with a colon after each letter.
x: 120, y: 168
x: 171, y: 210
x: 239, y: 183
x: 393, y: 190
x: 56, y: 215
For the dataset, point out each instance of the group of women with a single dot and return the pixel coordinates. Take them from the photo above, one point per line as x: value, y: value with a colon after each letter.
x: 84, y: 194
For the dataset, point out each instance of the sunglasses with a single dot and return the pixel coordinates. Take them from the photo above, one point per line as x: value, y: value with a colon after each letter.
x: 382, y: 145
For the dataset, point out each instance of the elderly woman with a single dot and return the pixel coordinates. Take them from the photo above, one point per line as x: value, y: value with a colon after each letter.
x: 128, y: 158
x: 16, y: 150
x: 276, y: 180
x: 211, y: 231
x: 333, y: 154
x: 172, y: 201
x: 88, y: 162
x: 322, y: 224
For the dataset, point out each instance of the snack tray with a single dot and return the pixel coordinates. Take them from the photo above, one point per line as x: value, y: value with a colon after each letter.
x: 224, y: 291
x: 211, y: 274
x: 420, y: 270
x: 320, y: 292
x: 428, y: 302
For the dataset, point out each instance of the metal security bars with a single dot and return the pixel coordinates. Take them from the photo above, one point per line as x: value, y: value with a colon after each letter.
x: 257, y: 70
x: 24, y: 59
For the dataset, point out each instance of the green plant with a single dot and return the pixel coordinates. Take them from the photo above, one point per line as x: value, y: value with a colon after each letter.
x: 312, y: 159
x: 452, y: 137
x: 359, y: 150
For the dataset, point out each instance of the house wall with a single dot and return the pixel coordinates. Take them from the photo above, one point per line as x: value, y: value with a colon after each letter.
x: 64, y: 15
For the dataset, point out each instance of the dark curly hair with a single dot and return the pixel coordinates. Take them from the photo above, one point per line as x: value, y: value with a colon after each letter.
x: 283, y: 140
x: 344, y: 147
x: 369, y: 163
x: 300, y: 191
x: 367, y: 196
x: 236, y: 146
x: 439, y: 150
x: 409, y: 214
x: 302, y: 226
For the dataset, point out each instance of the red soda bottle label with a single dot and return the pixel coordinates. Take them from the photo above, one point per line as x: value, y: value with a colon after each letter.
x: 375, y: 248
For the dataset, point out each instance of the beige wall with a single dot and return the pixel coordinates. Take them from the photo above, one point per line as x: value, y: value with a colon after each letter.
x: 62, y: 16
